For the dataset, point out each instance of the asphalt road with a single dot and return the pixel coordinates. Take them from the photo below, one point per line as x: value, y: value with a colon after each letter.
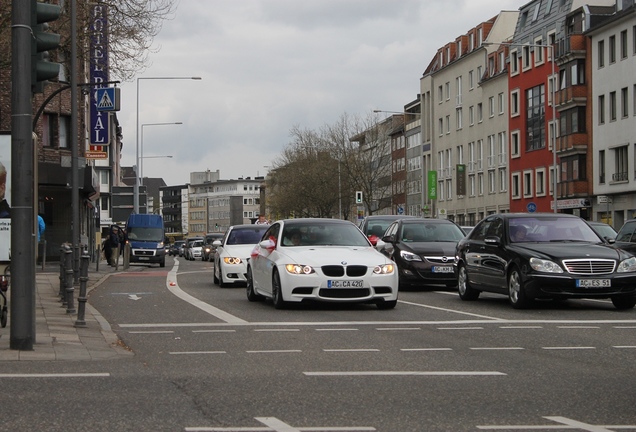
x: 206, y: 359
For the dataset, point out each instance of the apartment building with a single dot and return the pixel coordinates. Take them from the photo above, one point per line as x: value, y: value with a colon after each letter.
x: 465, y: 123
x: 613, y: 95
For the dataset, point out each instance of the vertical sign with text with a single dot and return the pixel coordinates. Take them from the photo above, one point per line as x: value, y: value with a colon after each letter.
x: 432, y: 185
x: 99, y: 124
x: 5, y: 196
x: 460, y: 169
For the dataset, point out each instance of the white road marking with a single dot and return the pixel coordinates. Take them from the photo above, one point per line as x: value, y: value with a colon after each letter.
x: 152, y: 332
x: 495, y: 348
x: 625, y: 347
x: 406, y: 373
x: 578, y: 327
x: 273, y: 351
x: 214, y: 331
x: 398, y: 328
x: 426, y: 349
x: 520, y: 327
x: 371, y: 323
x: 275, y: 425
x: 565, y: 423
x: 134, y: 297
x: 196, y: 352
x: 449, y: 310
x: 276, y: 330
x: 352, y: 350
x: 173, y: 287
x: 56, y: 375
x: 337, y: 329
x: 460, y: 328
x: 569, y: 348
x: 625, y: 327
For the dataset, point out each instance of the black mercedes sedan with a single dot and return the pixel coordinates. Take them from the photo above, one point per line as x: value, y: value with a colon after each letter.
x: 423, y: 250
x: 528, y: 256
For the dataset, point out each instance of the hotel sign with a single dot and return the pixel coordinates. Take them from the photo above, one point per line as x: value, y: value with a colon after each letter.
x: 99, y: 120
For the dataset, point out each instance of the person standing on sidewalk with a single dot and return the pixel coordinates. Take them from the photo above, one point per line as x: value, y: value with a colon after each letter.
x: 114, y: 245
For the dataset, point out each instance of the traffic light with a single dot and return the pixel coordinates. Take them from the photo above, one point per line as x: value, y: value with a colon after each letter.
x: 359, y: 197
x: 41, y: 42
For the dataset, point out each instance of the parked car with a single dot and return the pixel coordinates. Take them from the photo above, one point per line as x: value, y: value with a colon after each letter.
x: 188, y: 244
x: 604, y: 230
x: 174, y: 247
x: 423, y: 250
x: 327, y: 260
x: 543, y: 256
x: 232, y: 252
x: 626, y: 237
x: 209, y: 248
x: 374, y: 226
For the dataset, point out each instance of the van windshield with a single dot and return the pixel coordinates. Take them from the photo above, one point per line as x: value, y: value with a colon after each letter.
x: 145, y: 234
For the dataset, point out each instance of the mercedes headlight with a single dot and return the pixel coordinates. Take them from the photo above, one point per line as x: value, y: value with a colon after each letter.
x: 627, y: 266
x: 545, y: 266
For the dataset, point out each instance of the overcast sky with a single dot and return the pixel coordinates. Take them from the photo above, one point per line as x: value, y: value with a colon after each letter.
x: 267, y: 65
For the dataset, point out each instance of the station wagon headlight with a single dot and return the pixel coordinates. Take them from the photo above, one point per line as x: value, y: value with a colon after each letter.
x: 627, y: 266
x: 231, y: 260
x: 545, y: 266
x: 408, y: 256
x: 299, y: 269
x: 384, y: 269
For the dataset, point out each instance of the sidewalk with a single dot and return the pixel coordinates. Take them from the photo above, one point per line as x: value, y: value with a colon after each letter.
x: 56, y: 337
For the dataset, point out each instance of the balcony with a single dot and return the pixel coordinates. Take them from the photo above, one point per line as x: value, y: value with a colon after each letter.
x: 620, y: 177
x: 570, y: 47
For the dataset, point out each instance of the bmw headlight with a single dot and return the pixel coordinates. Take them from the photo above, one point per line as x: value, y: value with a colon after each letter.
x: 408, y: 256
x: 627, y: 266
x: 545, y: 266
x: 299, y: 269
x: 231, y: 260
x: 384, y: 269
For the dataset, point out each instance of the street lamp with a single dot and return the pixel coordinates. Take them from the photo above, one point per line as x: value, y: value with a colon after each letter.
x: 141, y: 161
x: 136, y: 188
x: 553, y: 91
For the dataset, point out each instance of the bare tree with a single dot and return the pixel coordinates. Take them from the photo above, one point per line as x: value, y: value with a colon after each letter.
x: 132, y: 27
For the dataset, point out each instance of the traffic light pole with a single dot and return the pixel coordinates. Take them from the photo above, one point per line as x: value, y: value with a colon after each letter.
x: 22, y: 331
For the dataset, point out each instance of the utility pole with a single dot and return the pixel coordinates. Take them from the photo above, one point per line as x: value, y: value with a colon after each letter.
x: 22, y: 179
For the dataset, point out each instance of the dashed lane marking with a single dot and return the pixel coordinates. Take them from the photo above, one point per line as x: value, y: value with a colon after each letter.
x: 564, y: 423
x: 450, y: 310
x: 275, y: 425
x: 406, y: 373
x: 56, y: 375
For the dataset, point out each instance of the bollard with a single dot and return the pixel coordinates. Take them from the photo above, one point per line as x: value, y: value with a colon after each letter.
x: 43, y: 243
x: 126, y: 256
x: 70, y: 283
x: 62, y: 274
x: 81, y: 299
x: 99, y: 257
x: 116, y: 254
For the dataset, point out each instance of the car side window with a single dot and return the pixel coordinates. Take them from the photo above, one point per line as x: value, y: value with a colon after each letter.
x: 496, y: 228
x: 626, y: 233
x: 391, y: 230
x: 272, y: 233
x: 481, y: 231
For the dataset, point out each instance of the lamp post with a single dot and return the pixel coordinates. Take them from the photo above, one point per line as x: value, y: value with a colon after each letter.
x: 136, y: 188
x: 141, y: 158
x: 553, y: 92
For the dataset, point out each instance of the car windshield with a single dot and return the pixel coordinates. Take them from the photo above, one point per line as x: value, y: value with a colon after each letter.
x: 197, y: 243
x: 605, y: 231
x: 323, y: 234
x: 553, y: 229
x: 431, y: 232
x: 250, y: 235
x: 145, y: 233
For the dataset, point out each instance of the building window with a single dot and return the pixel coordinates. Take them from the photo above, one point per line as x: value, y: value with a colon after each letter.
x: 492, y: 182
x: 503, y: 180
x: 540, y: 182
x: 458, y: 115
x: 623, y: 44
x: 440, y: 94
x: 538, y: 52
x: 514, y: 103
x: 491, y: 106
x: 515, y: 144
x: 471, y: 115
x: 572, y: 121
x: 471, y: 184
x: 601, y: 53
x: 624, y: 102
x: 601, y: 109
x: 612, y: 106
x: 514, y: 63
x: 448, y: 124
x: 621, y: 165
x: 65, y: 127
x: 447, y: 90
x: 441, y: 126
x: 601, y: 166
x: 480, y: 113
x: 527, y: 184
x: 471, y: 80
x: 525, y: 59
x: 480, y: 183
x: 612, y: 49
x: 501, y: 103
x: 515, y: 185
x: 535, y: 116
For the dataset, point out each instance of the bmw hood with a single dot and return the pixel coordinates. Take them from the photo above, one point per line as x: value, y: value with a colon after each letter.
x: 240, y: 251
x: 335, y: 255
